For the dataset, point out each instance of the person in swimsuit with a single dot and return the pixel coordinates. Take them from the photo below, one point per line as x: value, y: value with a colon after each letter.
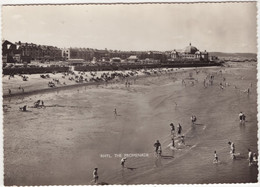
x: 123, y: 162
x: 179, y: 129
x: 250, y: 157
x: 215, y: 157
x: 173, y: 143
x: 182, y: 140
x: 240, y: 116
x: 172, y: 129
x: 232, y: 147
x: 95, y: 175
x: 115, y: 113
x: 158, y: 148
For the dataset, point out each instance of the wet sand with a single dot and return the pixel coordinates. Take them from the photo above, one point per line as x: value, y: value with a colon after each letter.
x: 63, y: 143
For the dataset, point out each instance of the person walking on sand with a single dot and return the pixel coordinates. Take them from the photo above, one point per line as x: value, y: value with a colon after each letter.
x: 250, y: 157
x: 9, y: 91
x: 172, y: 129
x: 179, y: 129
x: 95, y: 175
x: 232, y: 151
x: 158, y: 148
x: 215, y: 157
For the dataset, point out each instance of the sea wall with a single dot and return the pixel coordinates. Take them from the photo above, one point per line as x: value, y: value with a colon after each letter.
x: 141, y: 66
x: 34, y: 70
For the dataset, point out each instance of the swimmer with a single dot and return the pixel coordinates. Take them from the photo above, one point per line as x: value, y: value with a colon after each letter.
x: 95, y: 175
x: 232, y: 147
x: 215, y: 157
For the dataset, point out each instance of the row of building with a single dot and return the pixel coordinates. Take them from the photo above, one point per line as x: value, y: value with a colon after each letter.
x: 26, y: 52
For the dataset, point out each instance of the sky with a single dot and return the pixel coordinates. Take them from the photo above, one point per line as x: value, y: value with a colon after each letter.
x: 222, y: 27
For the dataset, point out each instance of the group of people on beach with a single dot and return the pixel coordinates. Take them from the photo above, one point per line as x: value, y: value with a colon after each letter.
x: 37, y: 104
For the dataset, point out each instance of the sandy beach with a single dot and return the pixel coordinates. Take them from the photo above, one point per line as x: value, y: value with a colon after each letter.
x: 77, y: 131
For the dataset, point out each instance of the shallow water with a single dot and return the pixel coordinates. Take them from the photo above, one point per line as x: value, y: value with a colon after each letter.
x: 62, y: 143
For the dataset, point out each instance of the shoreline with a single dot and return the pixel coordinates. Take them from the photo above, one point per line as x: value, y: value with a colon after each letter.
x: 77, y: 85
x: 62, y: 143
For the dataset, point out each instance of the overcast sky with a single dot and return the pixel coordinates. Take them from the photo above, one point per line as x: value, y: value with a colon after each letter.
x: 223, y: 27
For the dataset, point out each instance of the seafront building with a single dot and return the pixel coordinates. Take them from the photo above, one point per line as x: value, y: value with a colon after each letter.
x: 189, y: 53
x: 26, y: 52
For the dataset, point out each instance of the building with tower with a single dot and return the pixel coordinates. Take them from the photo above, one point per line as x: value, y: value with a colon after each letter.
x: 189, y: 53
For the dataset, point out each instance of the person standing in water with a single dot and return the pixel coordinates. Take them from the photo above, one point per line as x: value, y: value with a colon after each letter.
x: 179, y: 129
x: 173, y: 143
x: 250, y: 157
x: 182, y: 140
x: 158, y: 148
x: 123, y: 162
x: 241, y: 116
x: 215, y: 157
x: 255, y: 158
x: 95, y: 175
x: 232, y: 147
x: 115, y: 113
x: 172, y: 129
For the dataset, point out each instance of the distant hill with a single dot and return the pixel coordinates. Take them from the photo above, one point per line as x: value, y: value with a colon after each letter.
x: 234, y: 55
